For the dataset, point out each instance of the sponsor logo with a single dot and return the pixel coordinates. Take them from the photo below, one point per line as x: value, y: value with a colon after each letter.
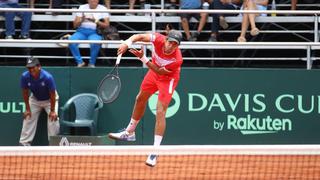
x: 173, y: 107
x: 253, y: 125
x: 65, y: 142
x: 12, y: 107
x: 252, y: 114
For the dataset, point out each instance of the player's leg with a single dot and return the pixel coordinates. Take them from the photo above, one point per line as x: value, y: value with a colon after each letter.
x: 128, y: 134
x: 29, y: 125
x: 160, y: 128
x: 138, y: 109
x: 148, y: 87
x: 160, y: 125
x: 166, y: 89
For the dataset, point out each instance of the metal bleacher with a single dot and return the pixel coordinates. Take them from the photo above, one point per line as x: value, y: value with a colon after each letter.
x: 285, y: 40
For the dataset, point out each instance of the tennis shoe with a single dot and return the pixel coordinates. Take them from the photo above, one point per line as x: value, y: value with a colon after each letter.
x: 123, y: 135
x: 81, y: 65
x: 91, y: 66
x: 151, y: 160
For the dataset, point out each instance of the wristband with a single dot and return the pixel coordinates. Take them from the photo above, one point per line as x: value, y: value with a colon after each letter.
x: 128, y: 42
x: 144, y: 59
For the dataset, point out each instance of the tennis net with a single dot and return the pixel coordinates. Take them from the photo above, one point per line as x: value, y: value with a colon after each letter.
x: 205, y: 162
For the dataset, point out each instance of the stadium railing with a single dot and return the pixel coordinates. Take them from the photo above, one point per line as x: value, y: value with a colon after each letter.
x: 154, y: 20
x: 308, y: 16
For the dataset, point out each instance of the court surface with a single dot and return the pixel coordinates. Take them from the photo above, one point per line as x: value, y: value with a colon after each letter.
x: 169, y: 167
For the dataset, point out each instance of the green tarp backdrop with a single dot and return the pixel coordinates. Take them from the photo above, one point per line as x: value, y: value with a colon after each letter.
x: 210, y: 106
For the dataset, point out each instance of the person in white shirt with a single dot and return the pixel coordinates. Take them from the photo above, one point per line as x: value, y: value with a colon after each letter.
x: 86, y: 25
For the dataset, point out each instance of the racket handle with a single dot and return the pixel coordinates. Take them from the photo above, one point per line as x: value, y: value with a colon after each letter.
x: 118, y: 59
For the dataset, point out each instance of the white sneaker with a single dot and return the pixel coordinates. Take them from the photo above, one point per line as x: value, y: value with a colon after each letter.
x: 152, y: 160
x: 91, y: 66
x: 123, y: 136
x: 81, y: 65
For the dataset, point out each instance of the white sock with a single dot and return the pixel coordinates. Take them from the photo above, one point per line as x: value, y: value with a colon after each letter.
x: 132, y: 125
x: 157, y: 140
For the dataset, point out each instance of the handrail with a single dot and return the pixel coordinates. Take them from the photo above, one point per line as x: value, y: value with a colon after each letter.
x: 184, y: 44
x: 308, y: 46
x: 163, y: 19
x: 160, y: 11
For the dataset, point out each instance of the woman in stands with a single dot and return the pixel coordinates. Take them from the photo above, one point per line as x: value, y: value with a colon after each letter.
x: 86, y: 25
x: 250, y: 18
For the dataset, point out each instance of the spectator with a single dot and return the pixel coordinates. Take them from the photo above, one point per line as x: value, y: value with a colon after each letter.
x: 294, y: 4
x: 132, y: 2
x: 192, y: 4
x: 143, y: 2
x: 55, y: 4
x: 43, y: 96
x: 86, y: 25
x: 250, y: 18
x: 9, y: 19
x: 218, y: 20
x: 107, y: 4
x: 172, y: 4
x: 52, y: 4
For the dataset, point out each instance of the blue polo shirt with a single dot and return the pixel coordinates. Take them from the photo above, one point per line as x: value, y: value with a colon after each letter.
x: 190, y: 4
x: 41, y: 87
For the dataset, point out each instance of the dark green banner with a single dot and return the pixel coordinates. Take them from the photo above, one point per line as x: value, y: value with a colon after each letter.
x: 210, y: 106
x: 243, y: 106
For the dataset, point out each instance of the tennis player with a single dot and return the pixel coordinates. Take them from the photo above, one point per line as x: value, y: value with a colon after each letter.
x: 163, y: 76
x: 43, y: 96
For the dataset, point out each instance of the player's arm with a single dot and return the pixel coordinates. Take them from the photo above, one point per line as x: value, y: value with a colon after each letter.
x: 25, y: 95
x: 132, y: 39
x: 52, y: 100
x: 147, y: 62
x: 156, y: 69
x: 53, y: 115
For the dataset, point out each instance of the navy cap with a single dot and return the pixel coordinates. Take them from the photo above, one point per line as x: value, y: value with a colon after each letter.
x: 32, y: 62
x: 175, y: 35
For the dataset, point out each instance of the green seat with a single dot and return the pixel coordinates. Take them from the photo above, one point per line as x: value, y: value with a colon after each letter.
x: 80, y: 111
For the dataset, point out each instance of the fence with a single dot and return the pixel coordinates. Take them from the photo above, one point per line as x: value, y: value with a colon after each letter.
x: 307, y: 48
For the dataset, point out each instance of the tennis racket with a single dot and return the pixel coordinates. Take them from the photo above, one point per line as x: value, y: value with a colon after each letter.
x: 110, y: 86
